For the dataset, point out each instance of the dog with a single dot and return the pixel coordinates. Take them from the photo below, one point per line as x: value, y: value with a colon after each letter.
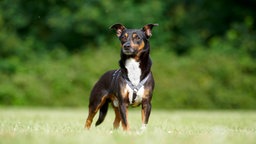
x: 131, y: 85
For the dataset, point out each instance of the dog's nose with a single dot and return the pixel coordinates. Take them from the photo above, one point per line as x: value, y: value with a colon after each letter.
x: 127, y: 46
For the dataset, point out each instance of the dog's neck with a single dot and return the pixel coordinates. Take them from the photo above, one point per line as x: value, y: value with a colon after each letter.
x: 136, y: 67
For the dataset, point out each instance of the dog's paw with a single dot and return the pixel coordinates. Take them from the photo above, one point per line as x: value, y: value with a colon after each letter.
x: 142, y: 129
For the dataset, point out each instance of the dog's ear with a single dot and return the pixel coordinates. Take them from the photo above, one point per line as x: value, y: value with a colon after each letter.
x: 119, y: 29
x: 147, y: 29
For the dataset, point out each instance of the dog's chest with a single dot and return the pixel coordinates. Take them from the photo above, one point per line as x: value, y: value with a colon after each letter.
x: 134, y: 71
x: 138, y: 98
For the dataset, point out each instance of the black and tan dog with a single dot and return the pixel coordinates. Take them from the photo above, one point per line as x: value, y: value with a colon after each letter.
x: 131, y: 85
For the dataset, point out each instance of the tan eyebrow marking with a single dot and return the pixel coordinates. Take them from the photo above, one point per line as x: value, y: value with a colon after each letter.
x: 134, y: 35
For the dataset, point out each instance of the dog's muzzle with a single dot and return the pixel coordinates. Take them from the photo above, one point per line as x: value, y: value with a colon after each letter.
x: 127, y: 49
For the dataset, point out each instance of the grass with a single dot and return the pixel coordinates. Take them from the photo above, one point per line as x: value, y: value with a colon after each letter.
x: 41, y: 125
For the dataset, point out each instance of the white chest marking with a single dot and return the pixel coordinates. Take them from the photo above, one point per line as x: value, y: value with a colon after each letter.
x: 134, y: 71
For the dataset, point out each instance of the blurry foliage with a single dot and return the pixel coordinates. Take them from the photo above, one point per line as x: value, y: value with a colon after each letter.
x: 53, y: 51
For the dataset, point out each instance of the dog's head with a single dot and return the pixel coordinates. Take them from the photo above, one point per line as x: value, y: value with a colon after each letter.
x: 133, y: 40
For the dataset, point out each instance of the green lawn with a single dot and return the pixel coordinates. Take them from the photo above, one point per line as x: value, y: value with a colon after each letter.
x: 34, y: 125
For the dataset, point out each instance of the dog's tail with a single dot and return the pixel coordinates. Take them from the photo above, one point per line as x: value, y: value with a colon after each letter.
x: 103, y: 113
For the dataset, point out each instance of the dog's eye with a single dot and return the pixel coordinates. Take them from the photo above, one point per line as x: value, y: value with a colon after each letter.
x: 123, y: 38
x: 137, y: 38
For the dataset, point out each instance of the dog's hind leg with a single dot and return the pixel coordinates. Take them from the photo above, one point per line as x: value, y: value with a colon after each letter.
x: 117, y: 118
x: 90, y: 118
x: 94, y: 106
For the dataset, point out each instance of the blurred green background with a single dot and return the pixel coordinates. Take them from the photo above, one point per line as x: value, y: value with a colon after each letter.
x: 53, y: 51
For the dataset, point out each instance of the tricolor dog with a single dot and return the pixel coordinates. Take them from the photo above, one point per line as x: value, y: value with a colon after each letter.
x: 131, y: 85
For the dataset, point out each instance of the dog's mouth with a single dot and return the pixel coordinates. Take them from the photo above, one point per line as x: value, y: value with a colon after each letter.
x: 128, y: 51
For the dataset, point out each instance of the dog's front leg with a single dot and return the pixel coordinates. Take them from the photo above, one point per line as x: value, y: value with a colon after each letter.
x: 124, y: 116
x: 145, y: 112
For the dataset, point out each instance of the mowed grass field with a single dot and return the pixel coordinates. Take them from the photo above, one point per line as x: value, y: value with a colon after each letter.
x: 41, y: 126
